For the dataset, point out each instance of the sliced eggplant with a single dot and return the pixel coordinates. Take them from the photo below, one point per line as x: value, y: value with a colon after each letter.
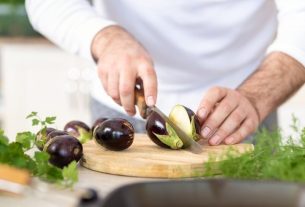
x: 161, y: 132
x: 186, y: 120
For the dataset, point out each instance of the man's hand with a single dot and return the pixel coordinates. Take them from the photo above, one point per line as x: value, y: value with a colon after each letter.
x: 120, y: 60
x: 227, y: 116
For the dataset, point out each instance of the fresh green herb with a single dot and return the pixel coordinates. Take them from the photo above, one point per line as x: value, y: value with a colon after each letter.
x: 70, y: 175
x: 44, y: 169
x: 14, y: 154
x: 12, y: 2
x: 271, y: 159
x: 3, y: 138
x: 26, y: 139
x: 36, y: 120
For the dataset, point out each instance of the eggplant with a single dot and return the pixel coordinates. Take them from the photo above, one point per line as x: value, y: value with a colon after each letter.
x: 161, y: 133
x: 55, y: 133
x: 41, y: 137
x: 186, y: 120
x: 164, y: 135
x: 79, y: 129
x: 98, y: 122
x: 114, y: 134
x: 63, y: 150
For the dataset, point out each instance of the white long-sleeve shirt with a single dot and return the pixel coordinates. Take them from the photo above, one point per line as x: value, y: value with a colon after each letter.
x: 194, y: 44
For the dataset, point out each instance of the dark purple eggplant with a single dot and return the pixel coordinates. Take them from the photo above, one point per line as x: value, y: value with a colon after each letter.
x: 79, y: 129
x: 164, y: 135
x: 186, y: 120
x: 63, y: 150
x: 114, y: 134
x: 41, y: 137
x: 98, y: 122
x: 161, y: 133
x: 55, y: 133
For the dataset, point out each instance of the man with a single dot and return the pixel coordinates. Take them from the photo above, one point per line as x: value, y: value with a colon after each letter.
x: 233, y: 61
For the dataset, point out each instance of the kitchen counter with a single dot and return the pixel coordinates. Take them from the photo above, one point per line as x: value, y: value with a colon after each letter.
x: 46, y: 195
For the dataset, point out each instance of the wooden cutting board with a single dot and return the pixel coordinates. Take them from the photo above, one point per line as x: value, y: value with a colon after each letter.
x: 145, y: 159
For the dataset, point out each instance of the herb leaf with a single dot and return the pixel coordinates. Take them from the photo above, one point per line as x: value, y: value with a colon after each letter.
x: 70, y: 174
x: 44, y: 169
x: 35, y: 122
x: 50, y: 120
x: 32, y: 114
x: 271, y: 159
x: 14, y: 154
x: 26, y: 139
x: 3, y: 138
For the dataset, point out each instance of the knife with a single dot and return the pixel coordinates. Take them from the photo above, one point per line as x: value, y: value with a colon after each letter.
x: 188, y: 143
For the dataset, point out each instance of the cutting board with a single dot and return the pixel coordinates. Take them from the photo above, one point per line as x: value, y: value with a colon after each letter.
x: 145, y: 159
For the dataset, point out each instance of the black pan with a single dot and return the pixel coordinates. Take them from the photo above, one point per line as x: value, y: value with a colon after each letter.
x: 201, y: 193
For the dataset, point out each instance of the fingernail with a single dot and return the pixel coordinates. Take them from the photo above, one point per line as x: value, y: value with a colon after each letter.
x: 229, y: 140
x: 150, y: 101
x: 130, y: 113
x: 202, y: 113
x: 117, y: 101
x: 205, y: 132
x: 215, y: 140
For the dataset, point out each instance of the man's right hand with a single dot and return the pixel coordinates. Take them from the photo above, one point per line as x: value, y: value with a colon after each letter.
x: 120, y: 60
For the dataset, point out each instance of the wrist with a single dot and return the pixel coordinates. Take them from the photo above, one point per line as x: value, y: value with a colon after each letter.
x: 277, y: 78
x: 102, y: 38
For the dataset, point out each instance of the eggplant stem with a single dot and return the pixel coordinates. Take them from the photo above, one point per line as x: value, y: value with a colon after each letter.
x: 174, y: 142
x: 84, y: 135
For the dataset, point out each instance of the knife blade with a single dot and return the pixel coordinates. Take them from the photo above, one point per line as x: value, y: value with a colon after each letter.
x: 188, y: 143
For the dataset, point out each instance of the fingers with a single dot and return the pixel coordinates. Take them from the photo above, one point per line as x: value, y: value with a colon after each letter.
x: 126, y: 90
x: 149, y: 77
x: 222, y: 111
x: 231, y: 124
x: 102, y: 74
x: 121, y: 59
x: 119, y: 83
x: 247, y: 127
x: 229, y: 116
x: 113, y: 86
x: 209, y: 101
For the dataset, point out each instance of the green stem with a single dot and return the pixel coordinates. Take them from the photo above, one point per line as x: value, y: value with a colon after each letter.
x: 174, y: 142
x: 84, y: 135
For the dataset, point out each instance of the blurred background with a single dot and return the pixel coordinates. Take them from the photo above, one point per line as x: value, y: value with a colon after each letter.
x: 35, y: 75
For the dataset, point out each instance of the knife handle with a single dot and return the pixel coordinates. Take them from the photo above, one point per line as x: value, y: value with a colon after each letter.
x: 140, y: 99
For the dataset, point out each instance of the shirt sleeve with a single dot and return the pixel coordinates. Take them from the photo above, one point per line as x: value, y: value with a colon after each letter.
x: 290, y: 37
x: 70, y: 24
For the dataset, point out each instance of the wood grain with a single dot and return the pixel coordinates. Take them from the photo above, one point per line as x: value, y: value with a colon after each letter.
x: 14, y: 175
x: 146, y: 159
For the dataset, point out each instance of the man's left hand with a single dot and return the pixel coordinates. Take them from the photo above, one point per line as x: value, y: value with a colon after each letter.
x: 226, y: 116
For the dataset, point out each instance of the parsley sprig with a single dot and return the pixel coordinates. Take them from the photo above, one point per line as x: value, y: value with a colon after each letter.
x: 15, y: 154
